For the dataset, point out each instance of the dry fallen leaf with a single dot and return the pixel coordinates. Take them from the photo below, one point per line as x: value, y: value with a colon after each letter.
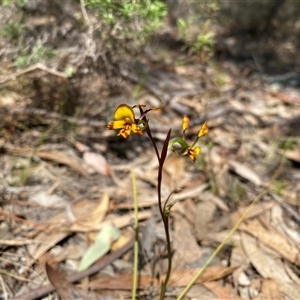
x: 60, y: 226
x: 221, y: 291
x: 200, y: 289
x: 67, y: 290
x: 62, y: 286
x: 179, y: 278
x: 122, y: 282
x: 184, y: 243
x: 245, y: 172
x: 97, y: 162
x: 278, y: 222
x: 273, y: 240
x: 269, y: 290
x: 63, y: 158
x: 45, y: 199
x: 269, y: 267
x: 183, y: 277
x: 204, y: 215
x: 256, y: 210
x: 99, y: 212
x: 174, y: 169
x: 208, y: 196
x: 266, y: 265
x: 291, y: 154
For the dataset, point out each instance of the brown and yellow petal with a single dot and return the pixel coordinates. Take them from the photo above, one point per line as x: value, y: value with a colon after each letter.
x: 116, y: 124
x: 192, y: 153
x: 127, y: 128
x: 125, y: 132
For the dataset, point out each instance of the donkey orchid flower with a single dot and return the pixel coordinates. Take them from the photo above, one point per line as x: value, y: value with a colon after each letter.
x: 125, y: 120
x: 181, y: 147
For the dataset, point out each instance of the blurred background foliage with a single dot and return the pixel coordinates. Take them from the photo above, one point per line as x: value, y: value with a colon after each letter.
x: 109, y: 34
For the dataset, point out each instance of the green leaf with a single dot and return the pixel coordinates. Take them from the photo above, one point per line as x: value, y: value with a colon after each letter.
x: 101, y: 246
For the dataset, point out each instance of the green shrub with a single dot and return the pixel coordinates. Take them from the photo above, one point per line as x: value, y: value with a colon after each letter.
x: 19, y: 3
x: 196, y: 29
x: 36, y: 54
x: 12, y: 30
x: 130, y: 22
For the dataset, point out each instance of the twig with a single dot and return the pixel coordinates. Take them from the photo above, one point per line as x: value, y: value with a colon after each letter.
x: 3, y: 288
x: 222, y: 111
x: 16, y: 242
x: 30, y: 69
x: 15, y: 276
x: 52, y: 115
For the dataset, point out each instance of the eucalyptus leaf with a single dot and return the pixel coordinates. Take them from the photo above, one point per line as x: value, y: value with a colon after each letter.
x: 100, y: 247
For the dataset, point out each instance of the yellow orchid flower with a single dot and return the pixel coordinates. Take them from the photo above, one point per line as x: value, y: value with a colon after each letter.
x: 193, y: 153
x: 125, y: 120
x: 181, y: 147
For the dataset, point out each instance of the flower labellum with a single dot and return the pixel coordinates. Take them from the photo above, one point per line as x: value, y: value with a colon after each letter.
x: 193, y: 153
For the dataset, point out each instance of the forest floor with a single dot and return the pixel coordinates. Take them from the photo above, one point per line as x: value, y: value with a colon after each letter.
x: 64, y: 178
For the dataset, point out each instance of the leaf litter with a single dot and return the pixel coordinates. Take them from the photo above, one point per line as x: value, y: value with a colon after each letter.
x: 252, y: 148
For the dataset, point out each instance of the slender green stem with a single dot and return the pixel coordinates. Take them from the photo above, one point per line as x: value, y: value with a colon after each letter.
x: 136, y: 241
